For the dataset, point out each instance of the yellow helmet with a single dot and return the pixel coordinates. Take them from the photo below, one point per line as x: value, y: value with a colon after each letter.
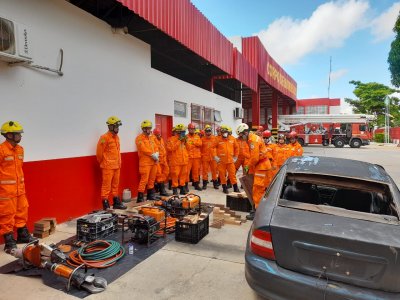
x: 197, y: 131
x: 146, y: 124
x: 224, y: 128
x: 229, y: 129
x: 207, y: 127
x: 11, y: 127
x: 113, y: 120
x: 180, y: 127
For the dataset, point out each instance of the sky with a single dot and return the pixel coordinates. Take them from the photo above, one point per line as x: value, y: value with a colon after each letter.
x: 302, y: 36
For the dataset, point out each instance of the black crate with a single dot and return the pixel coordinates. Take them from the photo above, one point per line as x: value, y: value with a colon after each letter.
x: 238, y: 204
x: 191, y: 233
x: 88, y: 232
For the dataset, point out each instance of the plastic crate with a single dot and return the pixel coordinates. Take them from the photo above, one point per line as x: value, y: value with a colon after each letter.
x: 238, y: 204
x: 191, y: 233
x: 88, y: 232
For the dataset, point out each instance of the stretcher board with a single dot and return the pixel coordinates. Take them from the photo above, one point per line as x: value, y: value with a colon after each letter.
x: 247, y: 183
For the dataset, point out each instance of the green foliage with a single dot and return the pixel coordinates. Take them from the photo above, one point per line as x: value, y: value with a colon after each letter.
x: 379, y: 137
x: 394, y: 55
x: 371, y: 100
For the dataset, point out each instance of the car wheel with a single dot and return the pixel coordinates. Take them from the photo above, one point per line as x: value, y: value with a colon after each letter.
x: 355, y: 143
x: 301, y: 142
x: 339, y: 143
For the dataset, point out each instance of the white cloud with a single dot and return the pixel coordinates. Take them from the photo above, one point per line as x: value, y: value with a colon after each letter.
x: 335, y: 75
x: 382, y: 26
x: 288, y: 40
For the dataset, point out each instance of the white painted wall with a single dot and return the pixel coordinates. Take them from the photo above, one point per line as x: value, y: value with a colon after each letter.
x: 104, y: 74
x: 334, y: 110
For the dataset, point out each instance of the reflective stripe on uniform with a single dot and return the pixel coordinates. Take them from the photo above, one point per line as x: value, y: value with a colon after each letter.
x: 4, y: 198
x: 259, y: 174
x: 20, y: 156
x: 8, y: 182
x: 8, y: 158
x: 22, y: 179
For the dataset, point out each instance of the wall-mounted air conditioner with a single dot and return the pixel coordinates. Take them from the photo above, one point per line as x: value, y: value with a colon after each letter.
x: 238, y: 113
x: 14, y: 41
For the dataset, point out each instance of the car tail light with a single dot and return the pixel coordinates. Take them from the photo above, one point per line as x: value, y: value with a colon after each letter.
x: 261, y: 244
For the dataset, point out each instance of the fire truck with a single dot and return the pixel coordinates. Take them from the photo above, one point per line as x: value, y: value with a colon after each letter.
x: 325, y: 129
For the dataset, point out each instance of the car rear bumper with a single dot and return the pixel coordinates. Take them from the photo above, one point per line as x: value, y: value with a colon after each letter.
x: 273, y: 282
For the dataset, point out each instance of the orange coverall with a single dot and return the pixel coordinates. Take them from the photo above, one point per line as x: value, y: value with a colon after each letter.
x: 162, y: 166
x: 282, y: 154
x: 13, y: 201
x: 295, y: 149
x: 254, y: 142
x: 193, y: 147
x: 146, y: 146
x: 226, y: 149
x: 178, y: 161
x: 261, y: 169
x: 207, y: 157
x: 109, y: 157
x: 271, y: 173
x: 244, y: 153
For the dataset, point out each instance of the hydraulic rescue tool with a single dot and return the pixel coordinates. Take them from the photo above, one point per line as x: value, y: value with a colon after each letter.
x: 46, y: 257
x: 179, y: 207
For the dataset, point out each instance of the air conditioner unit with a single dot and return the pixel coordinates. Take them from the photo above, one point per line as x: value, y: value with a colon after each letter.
x: 14, y: 41
x: 238, y: 113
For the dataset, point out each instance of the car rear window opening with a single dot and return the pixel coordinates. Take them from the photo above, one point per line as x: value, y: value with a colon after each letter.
x: 321, y: 192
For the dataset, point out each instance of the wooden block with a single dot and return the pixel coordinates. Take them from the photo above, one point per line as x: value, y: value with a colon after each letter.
x: 41, y: 235
x: 232, y: 221
x: 238, y: 195
x: 42, y: 224
x: 219, y: 205
x: 41, y: 229
x: 52, y: 230
x: 53, y: 221
x: 216, y: 210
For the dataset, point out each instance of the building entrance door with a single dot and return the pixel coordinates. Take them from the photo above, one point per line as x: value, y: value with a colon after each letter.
x: 164, y: 124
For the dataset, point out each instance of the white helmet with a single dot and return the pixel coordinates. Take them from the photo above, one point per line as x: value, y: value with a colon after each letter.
x: 241, y: 128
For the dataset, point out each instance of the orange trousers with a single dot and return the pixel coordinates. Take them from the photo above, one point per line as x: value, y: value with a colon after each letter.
x: 13, y: 213
x: 110, y: 182
x: 194, y: 167
x: 239, y: 163
x: 147, y: 177
x: 230, y: 168
x: 207, y: 166
x: 262, y: 179
x: 178, y: 175
x: 162, y: 172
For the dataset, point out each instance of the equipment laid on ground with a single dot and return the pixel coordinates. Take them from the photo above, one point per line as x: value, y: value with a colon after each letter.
x: 192, y: 228
x: 45, y: 257
x: 96, y: 226
x: 238, y: 202
x: 179, y: 207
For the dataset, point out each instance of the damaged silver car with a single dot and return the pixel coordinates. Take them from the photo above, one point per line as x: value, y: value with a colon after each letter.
x: 327, y: 228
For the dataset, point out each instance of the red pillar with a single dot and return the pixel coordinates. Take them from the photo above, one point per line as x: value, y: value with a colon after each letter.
x: 255, y: 106
x: 274, y: 109
x: 291, y: 110
x: 284, y: 107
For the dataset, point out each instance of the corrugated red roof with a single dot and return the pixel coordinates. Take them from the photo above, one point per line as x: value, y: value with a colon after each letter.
x: 244, y: 71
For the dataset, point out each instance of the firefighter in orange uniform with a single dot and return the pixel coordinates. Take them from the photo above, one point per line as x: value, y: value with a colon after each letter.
x: 207, y: 157
x: 109, y: 157
x: 162, y: 166
x: 149, y: 156
x: 260, y: 130
x: 282, y: 152
x: 176, y: 145
x: 272, y: 149
x: 193, y: 147
x: 13, y: 201
x: 294, y: 146
x: 226, y: 153
x: 244, y: 153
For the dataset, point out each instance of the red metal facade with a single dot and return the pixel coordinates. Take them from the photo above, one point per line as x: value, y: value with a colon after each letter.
x: 319, y: 101
x: 181, y: 20
x: 244, y: 71
x: 267, y: 67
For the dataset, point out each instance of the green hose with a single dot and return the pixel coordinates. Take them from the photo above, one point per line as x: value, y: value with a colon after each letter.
x: 108, y: 253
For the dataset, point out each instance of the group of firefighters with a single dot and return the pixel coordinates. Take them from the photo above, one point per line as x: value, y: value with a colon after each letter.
x: 179, y: 160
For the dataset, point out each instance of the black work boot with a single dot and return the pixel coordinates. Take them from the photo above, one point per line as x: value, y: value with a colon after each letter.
x: 163, y: 192
x: 182, y: 191
x: 229, y: 184
x: 9, y: 242
x: 156, y: 187
x: 175, y: 191
x: 140, y: 197
x: 218, y: 181
x: 215, y: 184
x: 23, y: 236
x: 251, y: 215
x: 225, y: 189
x: 170, y: 184
x: 118, y: 204
x: 205, y: 184
x: 236, y: 188
x: 151, y: 195
x: 197, y: 187
x: 186, y: 187
x: 106, y: 204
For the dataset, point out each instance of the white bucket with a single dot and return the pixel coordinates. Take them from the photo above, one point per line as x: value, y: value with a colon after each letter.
x: 126, y: 195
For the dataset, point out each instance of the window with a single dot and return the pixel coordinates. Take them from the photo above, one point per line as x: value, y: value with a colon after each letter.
x: 217, y: 116
x: 196, y: 113
x: 202, y: 116
x: 363, y: 127
x: 180, y: 109
x: 300, y: 110
x: 317, y: 109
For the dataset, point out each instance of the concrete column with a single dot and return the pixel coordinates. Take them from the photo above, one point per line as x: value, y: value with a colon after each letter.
x: 274, y: 109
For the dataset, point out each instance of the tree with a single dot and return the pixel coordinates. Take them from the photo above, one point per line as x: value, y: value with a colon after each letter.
x: 371, y: 100
x: 394, y: 55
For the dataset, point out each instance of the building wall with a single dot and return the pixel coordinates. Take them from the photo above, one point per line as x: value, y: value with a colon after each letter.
x: 318, y: 106
x: 104, y: 74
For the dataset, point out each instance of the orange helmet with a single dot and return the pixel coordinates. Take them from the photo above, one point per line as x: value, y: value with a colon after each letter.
x: 293, y: 135
x: 191, y: 126
x: 313, y: 128
x: 202, y: 132
x: 156, y: 131
x: 266, y: 134
x: 260, y: 128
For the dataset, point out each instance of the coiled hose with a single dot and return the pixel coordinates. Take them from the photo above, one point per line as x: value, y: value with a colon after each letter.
x: 98, y: 254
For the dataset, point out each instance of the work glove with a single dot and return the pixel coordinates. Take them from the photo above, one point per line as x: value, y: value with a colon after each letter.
x: 234, y: 159
x: 246, y: 169
x: 155, y: 156
x: 217, y: 159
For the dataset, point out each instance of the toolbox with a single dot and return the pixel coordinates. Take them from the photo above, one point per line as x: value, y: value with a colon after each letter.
x: 191, y: 233
x: 238, y: 203
x: 88, y: 229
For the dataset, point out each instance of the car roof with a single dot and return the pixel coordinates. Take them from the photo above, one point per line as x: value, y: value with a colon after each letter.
x: 337, y: 167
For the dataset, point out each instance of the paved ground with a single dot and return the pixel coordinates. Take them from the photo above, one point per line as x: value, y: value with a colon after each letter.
x: 212, y: 269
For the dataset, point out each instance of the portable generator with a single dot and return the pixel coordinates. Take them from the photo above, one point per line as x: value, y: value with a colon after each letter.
x: 143, y: 228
